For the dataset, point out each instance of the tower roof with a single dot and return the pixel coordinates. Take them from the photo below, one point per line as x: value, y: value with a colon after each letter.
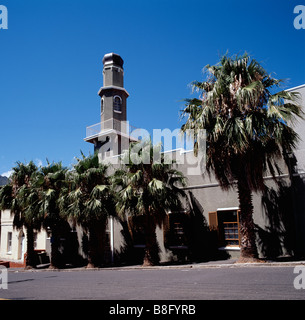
x: 113, y: 59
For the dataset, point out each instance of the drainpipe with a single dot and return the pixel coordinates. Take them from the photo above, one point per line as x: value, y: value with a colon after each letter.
x: 112, y: 239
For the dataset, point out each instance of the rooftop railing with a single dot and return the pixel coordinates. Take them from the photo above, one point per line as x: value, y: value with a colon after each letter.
x: 120, y: 126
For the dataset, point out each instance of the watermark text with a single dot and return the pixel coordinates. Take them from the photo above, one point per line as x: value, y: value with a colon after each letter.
x: 3, y: 17
x: 299, y: 280
x: 3, y: 277
x: 299, y: 20
x: 170, y: 147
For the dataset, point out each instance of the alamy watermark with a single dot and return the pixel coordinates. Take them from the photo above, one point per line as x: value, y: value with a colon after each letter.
x: 299, y: 280
x: 3, y: 17
x: 299, y: 20
x: 3, y: 277
x: 170, y: 147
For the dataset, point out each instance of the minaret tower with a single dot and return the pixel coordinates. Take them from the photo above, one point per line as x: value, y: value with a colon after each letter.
x: 110, y: 136
x: 113, y: 95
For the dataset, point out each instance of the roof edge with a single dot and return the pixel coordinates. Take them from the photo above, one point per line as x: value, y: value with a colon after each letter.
x: 297, y: 87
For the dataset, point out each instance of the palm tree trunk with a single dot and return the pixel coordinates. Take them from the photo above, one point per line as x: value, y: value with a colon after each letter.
x: 151, y: 255
x: 30, y: 253
x: 247, y: 228
x: 55, y: 257
x: 92, y: 247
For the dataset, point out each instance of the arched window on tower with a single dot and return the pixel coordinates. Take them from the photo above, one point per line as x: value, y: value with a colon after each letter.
x: 102, y: 105
x: 117, y: 104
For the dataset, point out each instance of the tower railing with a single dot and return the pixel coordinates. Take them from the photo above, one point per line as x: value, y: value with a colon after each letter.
x: 111, y: 124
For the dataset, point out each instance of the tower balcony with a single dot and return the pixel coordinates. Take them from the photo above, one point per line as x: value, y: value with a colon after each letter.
x: 108, y: 126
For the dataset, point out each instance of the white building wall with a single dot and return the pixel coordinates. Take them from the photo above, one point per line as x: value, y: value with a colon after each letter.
x: 13, y: 242
x: 300, y: 129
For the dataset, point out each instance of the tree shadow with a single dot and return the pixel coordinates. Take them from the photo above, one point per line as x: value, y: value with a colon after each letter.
x: 69, y: 248
x: 202, y: 242
x: 298, y: 189
x: 127, y: 253
x: 277, y: 238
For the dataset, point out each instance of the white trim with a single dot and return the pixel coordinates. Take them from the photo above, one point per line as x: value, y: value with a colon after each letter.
x: 175, y: 150
x: 120, y: 104
x: 295, y: 88
x: 233, y: 248
x: 118, y: 97
x: 182, y: 150
x: 108, y: 131
x: 201, y: 186
x: 228, y: 209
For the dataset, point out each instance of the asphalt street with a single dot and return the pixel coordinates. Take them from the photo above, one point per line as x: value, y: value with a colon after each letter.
x: 209, y: 283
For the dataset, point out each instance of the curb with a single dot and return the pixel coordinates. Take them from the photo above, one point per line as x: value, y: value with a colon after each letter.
x: 170, y: 267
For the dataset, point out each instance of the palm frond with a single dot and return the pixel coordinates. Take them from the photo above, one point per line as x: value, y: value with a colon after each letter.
x: 242, y: 119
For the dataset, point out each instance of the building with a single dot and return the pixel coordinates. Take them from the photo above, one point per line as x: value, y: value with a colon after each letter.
x: 207, y: 228
x: 13, y: 241
x: 278, y: 214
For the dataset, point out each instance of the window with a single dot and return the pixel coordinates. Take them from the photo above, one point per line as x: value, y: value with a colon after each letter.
x: 177, y: 235
x: 117, y: 104
x: 9, y: 242
x: 226, y: 223
x: 136, y: 229
x: 102, y: 105
x: 175, y: 230
x: 231, y: 234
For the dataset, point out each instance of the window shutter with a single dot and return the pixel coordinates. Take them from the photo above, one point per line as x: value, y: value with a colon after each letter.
x: 213, y: 221
x: 166, y: 230
x: 238, y: 222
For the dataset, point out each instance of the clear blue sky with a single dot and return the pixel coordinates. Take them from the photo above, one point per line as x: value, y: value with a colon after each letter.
x: 51, y: 63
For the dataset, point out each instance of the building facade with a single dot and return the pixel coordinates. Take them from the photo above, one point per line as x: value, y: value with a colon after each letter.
x: 13, y: 241
x: 207, y: 227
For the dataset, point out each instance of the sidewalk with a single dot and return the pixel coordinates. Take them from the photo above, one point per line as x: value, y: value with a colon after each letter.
x: 230, y: 263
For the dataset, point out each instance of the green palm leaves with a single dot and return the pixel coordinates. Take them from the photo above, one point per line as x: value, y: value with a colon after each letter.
x: 21, y: 196
x: 149, y: 189
x: 89, y: 196
x: 247, y: 127
x: 242, y: 116
x: 88, y: 201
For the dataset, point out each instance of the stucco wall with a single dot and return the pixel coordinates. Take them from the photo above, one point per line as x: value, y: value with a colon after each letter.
x: 18, y: 239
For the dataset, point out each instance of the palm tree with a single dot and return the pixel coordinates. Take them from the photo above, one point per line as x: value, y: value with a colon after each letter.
x: 21, y: 196
x: 53, y: 185
x: 148, y: 189
x: 247, y: 128
x: 89, y: 201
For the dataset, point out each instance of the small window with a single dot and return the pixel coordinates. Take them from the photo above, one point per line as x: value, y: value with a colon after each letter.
x: 175, y: 234
x: 117, y: 104
x: 9, y: 242
x: 136, y: 229
x: 102, y: 105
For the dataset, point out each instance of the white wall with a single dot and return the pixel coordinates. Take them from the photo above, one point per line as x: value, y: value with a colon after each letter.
x: 17, y: 247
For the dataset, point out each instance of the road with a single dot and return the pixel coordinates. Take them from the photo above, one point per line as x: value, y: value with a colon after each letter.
x: 246, y: 283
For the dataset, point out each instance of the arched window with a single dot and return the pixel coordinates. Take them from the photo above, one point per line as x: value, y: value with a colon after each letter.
x: 117, y: 103
x: 102, y: 105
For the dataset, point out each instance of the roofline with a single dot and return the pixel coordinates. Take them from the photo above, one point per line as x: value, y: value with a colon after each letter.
x: 297, y: 87
x: 112, y: 87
